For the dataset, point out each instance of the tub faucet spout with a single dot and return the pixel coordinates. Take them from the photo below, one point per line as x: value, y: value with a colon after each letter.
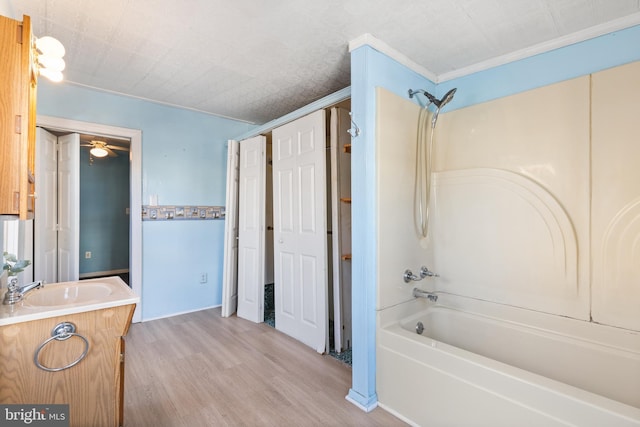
x: 419, y: 293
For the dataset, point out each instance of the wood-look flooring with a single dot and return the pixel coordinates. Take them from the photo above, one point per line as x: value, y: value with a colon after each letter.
x: 201, y: 369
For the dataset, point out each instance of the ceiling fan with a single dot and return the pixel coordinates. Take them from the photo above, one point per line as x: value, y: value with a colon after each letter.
x: 102, y: 149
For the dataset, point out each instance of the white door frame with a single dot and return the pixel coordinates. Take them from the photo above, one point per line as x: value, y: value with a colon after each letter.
x: 135, y: 161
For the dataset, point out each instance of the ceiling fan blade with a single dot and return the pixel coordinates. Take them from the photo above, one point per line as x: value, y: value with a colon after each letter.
x: 115, y: 147
x: 111, y: 152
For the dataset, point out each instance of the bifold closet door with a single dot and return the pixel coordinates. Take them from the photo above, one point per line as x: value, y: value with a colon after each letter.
x: 300, y: 229
x: 69, y: 207
x: 251, y: 229
x: 57, y: 220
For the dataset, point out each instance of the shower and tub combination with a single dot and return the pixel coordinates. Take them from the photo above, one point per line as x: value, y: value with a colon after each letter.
x: 503, y: 335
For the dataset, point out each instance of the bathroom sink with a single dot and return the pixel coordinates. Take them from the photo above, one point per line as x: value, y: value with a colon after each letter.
x: 67, y: 293
x: 61, y: 299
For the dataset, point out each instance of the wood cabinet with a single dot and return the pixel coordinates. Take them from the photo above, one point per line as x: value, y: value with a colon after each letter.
x: 93, y: 388
x: 17, y: 118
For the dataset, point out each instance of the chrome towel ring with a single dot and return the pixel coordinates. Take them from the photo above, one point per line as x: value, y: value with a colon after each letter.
x: 62, y: 331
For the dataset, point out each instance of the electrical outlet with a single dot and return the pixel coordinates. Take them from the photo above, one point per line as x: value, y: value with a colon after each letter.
x: 87, y: 254
x: 203, y: 278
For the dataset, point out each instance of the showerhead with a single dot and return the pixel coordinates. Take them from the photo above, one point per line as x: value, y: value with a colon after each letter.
x: 446, y: 98
x: 439, y: 103
x: 432, y: 98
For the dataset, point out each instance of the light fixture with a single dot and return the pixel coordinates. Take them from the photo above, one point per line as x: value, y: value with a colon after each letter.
x: 48, y: 54
x: 98, y: 151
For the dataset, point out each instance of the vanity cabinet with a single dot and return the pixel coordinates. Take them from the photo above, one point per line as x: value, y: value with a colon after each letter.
x: 93, y: 388
x: 17, y: 118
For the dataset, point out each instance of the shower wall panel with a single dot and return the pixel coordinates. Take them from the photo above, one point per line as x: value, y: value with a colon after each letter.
x: 398, y: 244
x: 512, y: 200
x: 615, y: 225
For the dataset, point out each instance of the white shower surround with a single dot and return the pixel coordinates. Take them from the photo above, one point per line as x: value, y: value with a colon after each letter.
x: 512, y: 233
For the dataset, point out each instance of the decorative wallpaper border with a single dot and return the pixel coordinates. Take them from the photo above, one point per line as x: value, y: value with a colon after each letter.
x: 181, y: 213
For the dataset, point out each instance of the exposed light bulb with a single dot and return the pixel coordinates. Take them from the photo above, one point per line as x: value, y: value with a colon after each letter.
x: 54, y: 76
x: 47, y: 45
x: 52, y: 63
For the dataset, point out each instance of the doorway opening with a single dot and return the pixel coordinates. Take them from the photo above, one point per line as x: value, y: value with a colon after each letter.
x: 129, y: 161
x: 101, y: 231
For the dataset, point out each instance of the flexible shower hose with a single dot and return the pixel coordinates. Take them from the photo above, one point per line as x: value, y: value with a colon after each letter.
x: 424, y: 150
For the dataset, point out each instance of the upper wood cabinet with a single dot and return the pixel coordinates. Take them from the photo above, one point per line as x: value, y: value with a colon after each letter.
x: 17, y: 118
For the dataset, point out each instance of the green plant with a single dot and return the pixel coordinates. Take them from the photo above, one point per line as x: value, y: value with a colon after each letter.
x: 14, y: 265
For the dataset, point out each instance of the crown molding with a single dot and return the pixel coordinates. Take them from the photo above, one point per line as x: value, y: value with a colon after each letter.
x: 557, y: 43
x: 369, y: 40
x: 548, y: 46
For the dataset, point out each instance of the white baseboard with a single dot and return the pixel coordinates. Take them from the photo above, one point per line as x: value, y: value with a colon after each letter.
x: 179, y: 313
x: 103, y: 273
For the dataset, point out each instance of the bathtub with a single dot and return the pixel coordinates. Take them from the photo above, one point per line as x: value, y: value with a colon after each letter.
x: 478, y: 363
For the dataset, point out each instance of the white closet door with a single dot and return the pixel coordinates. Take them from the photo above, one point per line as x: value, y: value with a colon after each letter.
x: 300, y: 229
x: 230, y: 271
x: 45, y: 247
x: 68, y: 207
x: 251, y: 229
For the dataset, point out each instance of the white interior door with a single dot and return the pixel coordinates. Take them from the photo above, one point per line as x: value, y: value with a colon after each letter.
x: 57, y: 220
x: 251, y: 229
x: 230, y: 272
x: 68, y: 207
x: 45, y: 248
x: 300, y: 229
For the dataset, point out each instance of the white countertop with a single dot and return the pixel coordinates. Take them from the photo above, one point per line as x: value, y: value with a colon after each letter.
x: 118, y: 294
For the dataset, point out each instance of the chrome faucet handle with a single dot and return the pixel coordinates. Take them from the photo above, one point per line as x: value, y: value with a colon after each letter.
x: 13, y: 295
x: 408, y: 276
x: 425, y: 272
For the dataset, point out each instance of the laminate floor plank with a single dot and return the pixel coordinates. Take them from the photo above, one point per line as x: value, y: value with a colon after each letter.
x: 200, y: 369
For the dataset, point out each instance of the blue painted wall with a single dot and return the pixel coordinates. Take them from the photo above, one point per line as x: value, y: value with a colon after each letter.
x: 371, y: 69
x: 184, y: 163
x: 104, y: 222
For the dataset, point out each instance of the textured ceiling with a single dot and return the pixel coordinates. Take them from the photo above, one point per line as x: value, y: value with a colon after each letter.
x: 257, y: 60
